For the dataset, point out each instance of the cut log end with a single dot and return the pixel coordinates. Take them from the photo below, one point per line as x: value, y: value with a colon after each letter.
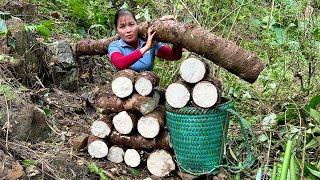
x: 192, y: 70
x: 98, y: 149
x: 132, y: 158
x: 205, y: 94
x: 100, y: 129
x: 123, y: 122
x: 177, y: 95
x: 122, y: 87
x: 148, y: 127
x: 115, y: 154
x: 143, y: 86
x: 160, y: 163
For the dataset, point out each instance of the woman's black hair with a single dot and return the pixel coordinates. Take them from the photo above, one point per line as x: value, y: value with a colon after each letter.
x: 122, y: 12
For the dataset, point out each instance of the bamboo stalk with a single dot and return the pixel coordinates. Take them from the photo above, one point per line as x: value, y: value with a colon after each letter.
x: 274, y: 172
x: 293, y: 168
x: 286, y: 161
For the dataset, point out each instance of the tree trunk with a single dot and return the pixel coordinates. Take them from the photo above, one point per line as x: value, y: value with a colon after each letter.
x: 111, y: 103
x: 97, y: 148
x: 132, y: 158
x: 122, y: 84
x: 102, y: 127
x: 150, y: 125
x: 160, y: 163
x: 115, y: 154
x: 124, y: 122
x: 139, y: 142
x: 142, y: 104
x: 222, y: 52
x: 145, y: 82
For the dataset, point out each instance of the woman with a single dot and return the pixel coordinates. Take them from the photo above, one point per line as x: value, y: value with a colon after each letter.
x: 133, y: 52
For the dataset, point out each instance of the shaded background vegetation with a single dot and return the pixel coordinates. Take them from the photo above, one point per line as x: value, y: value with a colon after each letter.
x: 281, y: 105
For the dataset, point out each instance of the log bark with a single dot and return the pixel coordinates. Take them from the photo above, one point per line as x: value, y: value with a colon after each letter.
x: 79, y: 142
x: 139, y: 142
x: 150, y: 125
x: 132, y: 158
x: 122, y: 84
x: 97, y: 148
x: 160, y: 163
x: 111, y: 103
x: 142, y: 104
x: 145, y: 82
x: 177, y: 95
x: 115, y: 154
x: 222, y: 52
x: 192, y: 70
x: 102, y: 127
x: 124, y: 122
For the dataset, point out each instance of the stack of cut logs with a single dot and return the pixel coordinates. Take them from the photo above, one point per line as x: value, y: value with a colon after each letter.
x: 132, y: 122
x: 194, y: 87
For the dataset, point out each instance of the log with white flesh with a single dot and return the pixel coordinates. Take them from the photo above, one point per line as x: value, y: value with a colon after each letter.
x: 102, y: 127
x: 145, y: 82
x: 192, y: 70
x: 160, y: 163
x: 115, y: 154
x: 122, y: 84
x: 205, y: 94
x: 140, y: 103
x: 177, y: 95
x: 97, y: 148
x: 124, y: 122
x: 149, y: 125
x: 132, y: 158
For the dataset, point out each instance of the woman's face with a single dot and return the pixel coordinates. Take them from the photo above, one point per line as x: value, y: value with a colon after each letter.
x: 127, y: 28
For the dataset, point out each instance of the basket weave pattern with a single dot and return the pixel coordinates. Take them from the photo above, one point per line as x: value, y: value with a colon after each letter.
x: 198, y: 137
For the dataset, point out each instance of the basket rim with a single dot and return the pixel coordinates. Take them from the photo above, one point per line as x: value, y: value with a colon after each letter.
x: 191, y: 110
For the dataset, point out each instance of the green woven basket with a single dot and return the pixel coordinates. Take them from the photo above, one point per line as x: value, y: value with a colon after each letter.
x: 198, y: 136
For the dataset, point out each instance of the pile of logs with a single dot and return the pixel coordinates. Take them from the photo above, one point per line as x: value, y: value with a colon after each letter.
x: 133, y: 123
x: 194, y: 87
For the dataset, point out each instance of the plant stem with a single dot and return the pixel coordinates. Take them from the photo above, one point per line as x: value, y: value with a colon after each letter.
x: 286, y: 161
x: 293, y: 175
x: 274, y: 172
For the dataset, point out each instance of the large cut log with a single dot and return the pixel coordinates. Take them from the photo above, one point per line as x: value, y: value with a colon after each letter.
x: 150, y: 125
x: 139, y: 142
x: 111, y: 103
x: 122, y: 84
x: 205, y: 94
x: 177, y: 95
x: 124, y: 122
x: 192, y: 70
x: 102, y: 127
x: 132, y: 158
x: 142, y: 104
x: 145, y: 82
x: 160, y: 163
x: 115, y: 154
x: 222, y: 52
x: 97, y: 148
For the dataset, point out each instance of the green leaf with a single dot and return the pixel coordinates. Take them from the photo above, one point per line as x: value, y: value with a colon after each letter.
x: 316, y: 33
x: 29, y: 162
x: 134, y: 172
x: 43, y: 31
x: 269, y: 121
x: 313, y: 143
x: 313, y: 103
x: 314, y: 172
x: 93, y: 168
x: 315, y: 115
x: 47, y: 111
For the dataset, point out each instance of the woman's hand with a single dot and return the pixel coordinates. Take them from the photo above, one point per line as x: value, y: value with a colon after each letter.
x: 150, y: 42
